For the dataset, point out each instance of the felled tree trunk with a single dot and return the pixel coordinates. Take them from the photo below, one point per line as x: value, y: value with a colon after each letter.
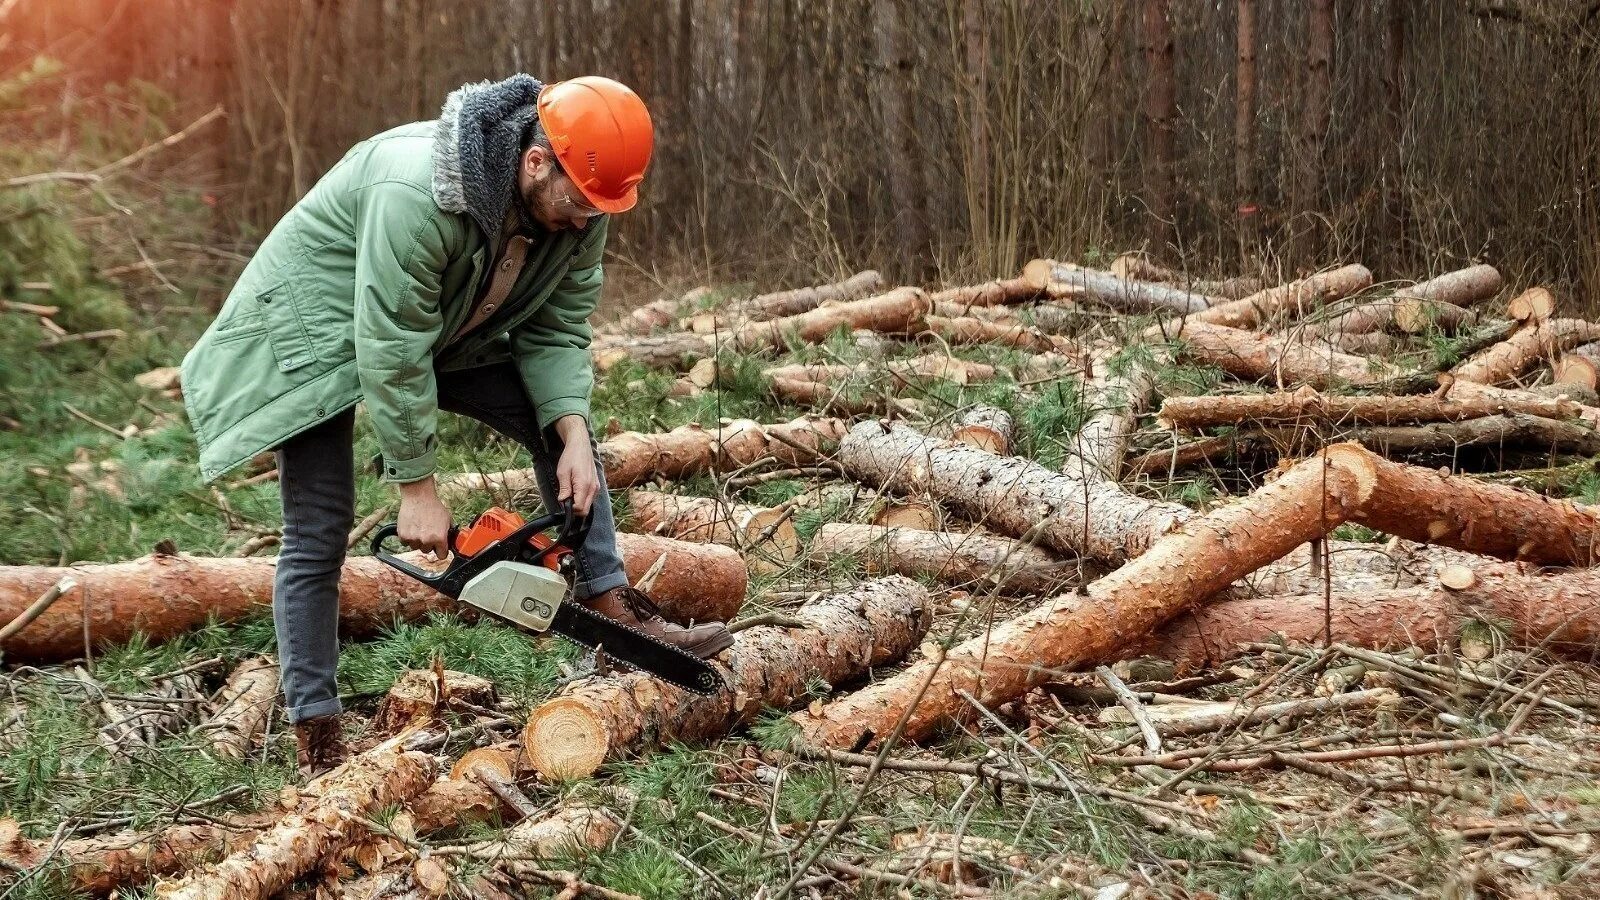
x: 1019, y: 497
x: 676, y: 350
x: 1462, y: 287
x: 298, y: 843
x: 843, y: 398
x: 1116, y: 396
x: 932, y: 365
x: 633, y: 457
x: 1254, y: 356
x: 1508, y: 430
x: 99, y: 865
x: 1414, y: 316
x: 1289, y: 300
x: 1000, y: 292
x: 1076, y: 630
x: 765, y: 537
x: 1522, y: 351
x: 1306, y: 406
x: 1580, y: 366
x: 985, y: 427
x: 1557, y: 611
x: 788, y: 303
x: 1490, y: 519
x: 840, y: 639
x: 899, y: 311
x: 1138, y: 267
x: 977, y: 562
x: 246, y: 702
x: 1437, y: 300
x: 969, y: 330
x: 1118, y: 293
x: 165, y: 596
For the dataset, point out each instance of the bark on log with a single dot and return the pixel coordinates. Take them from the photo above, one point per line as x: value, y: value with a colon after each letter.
x: 1522, y: 351
x: 976, y: 562
x: 323, y: 826
x: 632, y: 457
x: 1580, y: 366
x: 793, y: 302
x: 1116, y: 395
x: 99, y: 865
x: 1462, y: 287
x: 986, y: 428
x: 1000, y: 292
x: 842, y: 398
x: 1456, y: 389
x: 1558, y: 611
x: 969, y: 330
x: 1138, y: 267
x: 899, y: 311
x: 246, y: 702
x: 1294, y: 299
x: 421, y: 695
x: 1490, y: 519
x: 676, y: 350
x: 766, y: 538
x: 1508, y: 430
x: 1532, y: 306
x: 1076, y: 630
x: 840, y: 639
x: 1117, y: 293
x: 1019, y: 497
x: 1253, y: 356
x: 1414, y: 316
x: 165, y: 596
x: 930, y: 365
x: 1306, y: 406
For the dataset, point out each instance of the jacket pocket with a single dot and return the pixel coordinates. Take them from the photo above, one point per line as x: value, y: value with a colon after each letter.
x: 291, y: 343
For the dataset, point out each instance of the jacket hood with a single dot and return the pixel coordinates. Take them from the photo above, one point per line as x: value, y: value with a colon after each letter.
x: 477, y: 145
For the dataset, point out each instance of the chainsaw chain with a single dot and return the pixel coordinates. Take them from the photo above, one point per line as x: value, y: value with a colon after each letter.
x: 691, y: 688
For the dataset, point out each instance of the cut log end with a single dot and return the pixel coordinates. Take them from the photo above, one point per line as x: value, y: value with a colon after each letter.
x: 1037, y: 273
x: 982, y: 437
x: 1457, y: 578
x: 921, y: 516
x: 565, y: 740
x: 1573, y: 369
x: 1532, y: 306
x: 494, y: 762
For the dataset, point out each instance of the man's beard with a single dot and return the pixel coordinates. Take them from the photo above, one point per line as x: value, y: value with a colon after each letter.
x: 525, y: 206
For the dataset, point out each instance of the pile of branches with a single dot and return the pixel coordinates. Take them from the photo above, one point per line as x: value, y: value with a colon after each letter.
x: 1349, y: 565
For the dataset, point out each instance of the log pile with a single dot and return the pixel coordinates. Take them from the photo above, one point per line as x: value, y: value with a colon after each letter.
x: 1038, y: 496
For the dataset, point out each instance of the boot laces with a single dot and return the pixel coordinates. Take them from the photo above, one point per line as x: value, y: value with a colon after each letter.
x: 640, y: 604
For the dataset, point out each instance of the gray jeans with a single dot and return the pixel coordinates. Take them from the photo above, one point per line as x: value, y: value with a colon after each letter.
x: 316, y: 476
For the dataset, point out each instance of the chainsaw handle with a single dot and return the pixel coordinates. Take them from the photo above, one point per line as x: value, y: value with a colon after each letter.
x: 574, y: 528
x: 433, y: 579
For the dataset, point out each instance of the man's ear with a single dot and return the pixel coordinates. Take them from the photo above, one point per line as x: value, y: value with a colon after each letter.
x: 535, y: 161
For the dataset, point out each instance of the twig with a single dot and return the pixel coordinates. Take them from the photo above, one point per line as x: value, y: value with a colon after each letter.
x: 29, y: 308
x: 105, y: 171
x: 66, y: 584
x: 78, y: 413
x: 744, y: 481
x: 366, y: 525
x: 1130, y: 702
x: 104, y: 334
x: 766, y: 618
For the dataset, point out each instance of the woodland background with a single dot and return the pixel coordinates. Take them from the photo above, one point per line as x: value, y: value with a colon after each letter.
x: 799, y: 140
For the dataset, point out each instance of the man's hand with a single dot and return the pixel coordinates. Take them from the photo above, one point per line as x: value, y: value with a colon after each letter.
x: 575, y: 471
x: 424, y: 521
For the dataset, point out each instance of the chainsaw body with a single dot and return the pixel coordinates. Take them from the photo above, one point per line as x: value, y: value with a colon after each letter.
x: 511, y: 569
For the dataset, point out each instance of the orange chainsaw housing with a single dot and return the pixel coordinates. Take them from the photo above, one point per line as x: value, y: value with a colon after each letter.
x: 495, y: 524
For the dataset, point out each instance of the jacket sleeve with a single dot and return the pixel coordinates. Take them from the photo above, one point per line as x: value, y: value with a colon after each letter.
x: 400, y: 258
x: 552, y: 346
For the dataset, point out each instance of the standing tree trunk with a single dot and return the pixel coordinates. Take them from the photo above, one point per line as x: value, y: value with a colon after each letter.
x: 1313, y: 134
x: 1395, y: 133
x: 895, y: 77
x: 1244, y: 129
x: 975, y: 41
x: 1160, y: 115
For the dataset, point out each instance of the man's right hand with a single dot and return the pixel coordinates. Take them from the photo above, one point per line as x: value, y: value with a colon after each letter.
x: 424, y: 521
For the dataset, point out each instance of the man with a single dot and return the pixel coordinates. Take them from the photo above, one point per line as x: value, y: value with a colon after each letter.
x: 440, y: 265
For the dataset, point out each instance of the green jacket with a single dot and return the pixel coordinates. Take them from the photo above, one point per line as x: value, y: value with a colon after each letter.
x: 353, y: 296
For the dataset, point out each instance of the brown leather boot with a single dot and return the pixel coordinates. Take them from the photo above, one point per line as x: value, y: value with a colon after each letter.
x: 633, y: 607
x: 319, y: 745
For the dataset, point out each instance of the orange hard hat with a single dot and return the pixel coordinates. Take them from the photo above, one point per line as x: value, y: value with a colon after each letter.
x: 602, y: 137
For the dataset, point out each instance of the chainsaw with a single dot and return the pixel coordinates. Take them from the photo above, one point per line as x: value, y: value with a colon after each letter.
x: 514, y: 571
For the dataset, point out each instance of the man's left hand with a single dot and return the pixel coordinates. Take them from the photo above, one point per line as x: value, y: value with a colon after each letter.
x: 576, y: 477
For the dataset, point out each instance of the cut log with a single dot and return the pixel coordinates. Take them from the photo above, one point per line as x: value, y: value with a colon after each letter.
x: 764, y: 537
x: 1376, y: 344
x: 1253, y: 356
x: 906, y: 514
x: 1181, y: 456
x: 1072, y: 631
x: 1202, y: 718
x: 1515, y: 430
x: 631, y: 457
x: 1019, y: 497
x: 799, y: 300
x: 1138, y: 267
x: 1306, y: 406
x: 1580, y: 366
x: 420, y: 696
x: 246, y: 702
x: 1522, y: 351
x: 976, y: 562
x: 164, y: 596
x: 323, y: 826
x: 1532, y: 306
x: 1117, y: 293
x: 1462, y: 287
x: 1414, y: 316
x: 1000, y: 292
x: 899, y: 311
x: 987, y: 428
x: 1557, y: 611
x: 1489, y: 519
x: 1456, y: 389
x: 843, y: 398
x: 1117, y: 389
x: 931, y: 365
x: 1289, y: 300
x: 968, y: 330
x: 676, y: 350
x: 840, y: 639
